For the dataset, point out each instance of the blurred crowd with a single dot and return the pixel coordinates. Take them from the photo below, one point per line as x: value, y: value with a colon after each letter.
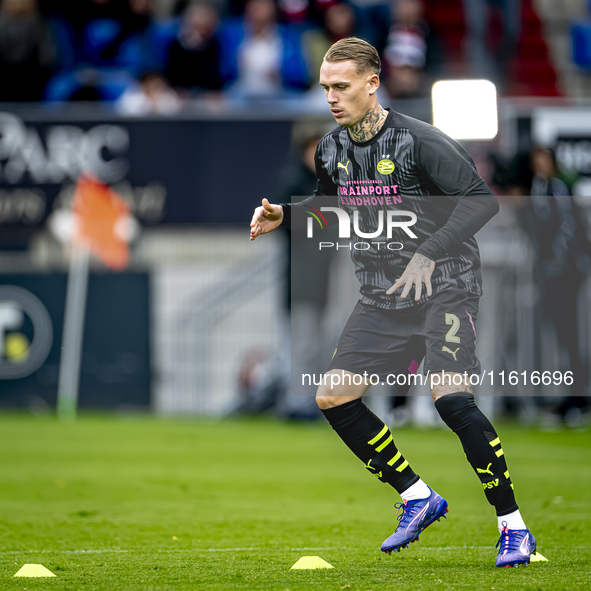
x: 557, y: 227
x: 119, y: 51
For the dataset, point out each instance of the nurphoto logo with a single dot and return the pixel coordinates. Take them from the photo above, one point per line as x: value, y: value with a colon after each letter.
x: 394, y: 219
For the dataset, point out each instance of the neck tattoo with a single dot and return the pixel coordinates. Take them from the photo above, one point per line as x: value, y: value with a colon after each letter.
x: 370, y: 124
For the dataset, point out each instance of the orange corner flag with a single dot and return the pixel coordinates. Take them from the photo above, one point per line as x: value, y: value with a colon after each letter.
x: 100, y: 211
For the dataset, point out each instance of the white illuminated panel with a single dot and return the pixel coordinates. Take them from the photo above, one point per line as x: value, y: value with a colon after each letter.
x: 466, y: 109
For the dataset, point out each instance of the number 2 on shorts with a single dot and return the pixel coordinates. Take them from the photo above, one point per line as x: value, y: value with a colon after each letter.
x: 452, y: 319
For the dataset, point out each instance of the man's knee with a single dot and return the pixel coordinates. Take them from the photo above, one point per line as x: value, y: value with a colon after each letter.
x: 329, y: 398
x: 339, y: 387
x: 325, y: 402
x: 449, y: 382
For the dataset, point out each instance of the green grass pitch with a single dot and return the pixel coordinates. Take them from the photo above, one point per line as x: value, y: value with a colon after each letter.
x: 140, y: 503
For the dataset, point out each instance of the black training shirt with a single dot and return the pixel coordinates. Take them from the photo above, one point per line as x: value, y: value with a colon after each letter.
x: 407, y: 166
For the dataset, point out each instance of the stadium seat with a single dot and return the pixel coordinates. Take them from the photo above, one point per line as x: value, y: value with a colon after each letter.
x: 581, y: 40
x: 110, y: 83
x: 532, y: 71
x: 135, y: 54
x: 61, y: 86
x: 113, y: 83
x: 63, y: 37
x: 139, y: 52
x: 97, y: 36
x: 163, y: 33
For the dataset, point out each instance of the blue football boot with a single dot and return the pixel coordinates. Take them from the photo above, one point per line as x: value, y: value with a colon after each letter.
x: 414, y: 518
x: 515, y: 546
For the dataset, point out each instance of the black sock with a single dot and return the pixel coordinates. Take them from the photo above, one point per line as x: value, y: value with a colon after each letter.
x: 371, y: 441
x: 482, y: 447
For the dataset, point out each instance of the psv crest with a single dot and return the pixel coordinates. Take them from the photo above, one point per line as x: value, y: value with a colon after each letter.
x: 386, y: 166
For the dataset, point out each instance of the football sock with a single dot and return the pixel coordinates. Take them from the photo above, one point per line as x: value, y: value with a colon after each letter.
x: 482, y: 447
x: 419, y: 490
x: 370, y: 440
x: 513, y: 521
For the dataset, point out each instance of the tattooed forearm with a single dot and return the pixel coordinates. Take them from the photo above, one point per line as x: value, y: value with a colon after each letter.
x: 369, y: 125
x: 445, y: 384
x: 419, y: 261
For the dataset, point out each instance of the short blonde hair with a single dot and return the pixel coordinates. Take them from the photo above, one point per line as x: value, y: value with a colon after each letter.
x: 357, y: 50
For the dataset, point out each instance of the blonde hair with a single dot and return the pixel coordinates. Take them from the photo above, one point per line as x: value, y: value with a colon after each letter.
x: 361, y: 52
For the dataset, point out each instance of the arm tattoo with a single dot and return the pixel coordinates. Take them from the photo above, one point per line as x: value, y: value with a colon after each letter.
x: 370, y: 124
x: 419, y: 262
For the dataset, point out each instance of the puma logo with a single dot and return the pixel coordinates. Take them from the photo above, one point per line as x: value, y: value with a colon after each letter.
x: 486, y: 471
x: 452, y: 353
x: 345, y: 166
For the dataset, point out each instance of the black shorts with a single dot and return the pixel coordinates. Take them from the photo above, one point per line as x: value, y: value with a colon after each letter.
x: 390, y: 342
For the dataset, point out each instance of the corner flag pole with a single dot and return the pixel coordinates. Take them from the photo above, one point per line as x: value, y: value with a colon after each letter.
x: 99, y: 213
x: 73, y: 333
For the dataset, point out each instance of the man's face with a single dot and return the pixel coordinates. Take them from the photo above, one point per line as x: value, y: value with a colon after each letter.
x: 349, y: 94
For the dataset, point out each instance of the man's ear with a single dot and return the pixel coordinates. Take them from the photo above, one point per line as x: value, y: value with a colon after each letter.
x: 374, y: 83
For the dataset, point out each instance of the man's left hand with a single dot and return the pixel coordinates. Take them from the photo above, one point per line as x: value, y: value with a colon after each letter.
x: 417, y: 272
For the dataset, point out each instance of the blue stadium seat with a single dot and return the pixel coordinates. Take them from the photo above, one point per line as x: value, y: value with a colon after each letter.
x: 97, y: 36
x: 164, y: 32
x: 134, y: 54
x: 111, y: 83
x: 139, y: 52
x: 62, y: 34
x: 61, y: 86
x: 581, y: 40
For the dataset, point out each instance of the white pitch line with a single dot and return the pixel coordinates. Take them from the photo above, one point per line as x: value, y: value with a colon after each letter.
x: 104, y: 551
x: 225, y: 549
x: 251, y: 549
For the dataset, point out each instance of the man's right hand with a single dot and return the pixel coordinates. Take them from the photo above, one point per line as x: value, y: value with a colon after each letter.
x: 266, y: 218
